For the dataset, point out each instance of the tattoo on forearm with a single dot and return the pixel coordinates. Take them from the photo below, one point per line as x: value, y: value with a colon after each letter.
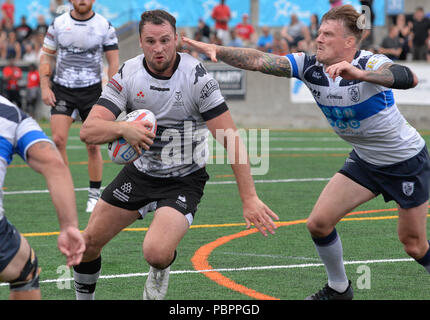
x: 254, y: 60
x: 383, y: 76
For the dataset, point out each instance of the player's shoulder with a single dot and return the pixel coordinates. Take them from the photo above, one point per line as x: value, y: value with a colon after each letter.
x: 131, y: 66
x: 191, y: 67
x: 102, y: 21
x: 369, y: 60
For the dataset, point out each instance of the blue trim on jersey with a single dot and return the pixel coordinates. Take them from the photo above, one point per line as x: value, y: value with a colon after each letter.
x: 359, y: 111
x: 28, y: 139
x: 6, y: 150
x: 294, y: 64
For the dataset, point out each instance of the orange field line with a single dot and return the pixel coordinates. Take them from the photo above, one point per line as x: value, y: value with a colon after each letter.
x: 200, y: 258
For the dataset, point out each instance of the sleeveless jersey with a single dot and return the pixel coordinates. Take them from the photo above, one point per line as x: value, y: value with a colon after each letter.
x: 80, y: 45
x: 362, y: 113
x: 181, y: 104
x: 18, y: 132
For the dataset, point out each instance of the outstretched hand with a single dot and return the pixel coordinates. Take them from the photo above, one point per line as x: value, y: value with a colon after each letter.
x: 202, y: 47
x: 259, y: 214
x: 71, y: 244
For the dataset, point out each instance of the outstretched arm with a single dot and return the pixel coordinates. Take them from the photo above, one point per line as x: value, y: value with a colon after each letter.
x: 244, y: 58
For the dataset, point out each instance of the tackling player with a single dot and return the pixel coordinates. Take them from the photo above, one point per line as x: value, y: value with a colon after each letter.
x: 389, y: 157
x: 187, y: 102
x: 18, y: 262
x: 77, y: 39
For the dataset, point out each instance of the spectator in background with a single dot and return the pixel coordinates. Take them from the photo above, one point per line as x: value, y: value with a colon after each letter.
x: 23, y: 30
x: 33, y: 89
x: 235, y: 41
x: 8, y: 12
x: 279, y: 45
x: 221, y: 14
x: 313, y: 34
x: 12, y: 74
x: 30, y: 54
x: 391, y: 45
x: 245, y: 31
x: 204, y: 30
x: 404, y: 34
x: 12, y: 49
x: 296, y: 32
x: 41, y: 27
x: 58, y: 7
x: 419, y: 35
x: 335, y: 3
x: 265, y: 41
x: 367, y: 40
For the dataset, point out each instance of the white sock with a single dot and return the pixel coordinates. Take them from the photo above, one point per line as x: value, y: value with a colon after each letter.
x: 86, y: 275
x: 330, y: 251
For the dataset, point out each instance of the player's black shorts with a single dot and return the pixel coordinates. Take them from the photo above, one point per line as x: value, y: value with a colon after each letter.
x: 132, y: 190
x: 10, y: 241
x: 406, y: 182
x: 69, y: 99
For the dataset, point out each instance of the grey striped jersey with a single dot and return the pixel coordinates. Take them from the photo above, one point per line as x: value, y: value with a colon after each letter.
x: 80, y: 45
x: 181, y: 104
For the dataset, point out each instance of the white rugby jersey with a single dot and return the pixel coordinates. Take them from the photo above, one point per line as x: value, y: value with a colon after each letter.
x: 80, y: 45
x: 181, y: 104
x: 361, y: 113
x: 18, y: 132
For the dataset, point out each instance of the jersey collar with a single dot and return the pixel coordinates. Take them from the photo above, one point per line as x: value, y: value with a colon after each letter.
x: 156, y: 76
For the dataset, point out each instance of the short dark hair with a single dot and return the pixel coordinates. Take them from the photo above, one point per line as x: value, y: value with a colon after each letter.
x: 156, y: 17
x: 349, y: 16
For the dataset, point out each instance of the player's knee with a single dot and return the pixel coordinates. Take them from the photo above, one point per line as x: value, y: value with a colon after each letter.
x: 28, y: 278
x: 413, y: 246
x: 60, y: 141
x: 156, y: 256
x: 317, y: 227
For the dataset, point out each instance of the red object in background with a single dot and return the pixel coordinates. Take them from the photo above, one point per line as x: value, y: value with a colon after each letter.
x: 12, y: 74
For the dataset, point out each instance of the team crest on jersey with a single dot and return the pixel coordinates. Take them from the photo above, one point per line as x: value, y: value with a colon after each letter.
x: 354, y: 93
x: 408, y: 188
x: 178, y: 99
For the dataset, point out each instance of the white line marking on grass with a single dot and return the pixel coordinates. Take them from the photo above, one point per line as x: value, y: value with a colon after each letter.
x: 208, y: 183
x: 292, y: 266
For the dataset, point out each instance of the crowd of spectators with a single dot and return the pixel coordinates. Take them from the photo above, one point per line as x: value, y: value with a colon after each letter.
x: 407, y: 38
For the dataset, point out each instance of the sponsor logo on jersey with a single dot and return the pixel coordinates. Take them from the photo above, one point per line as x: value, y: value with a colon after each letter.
x: 159, y: 89
x: 208, y: 89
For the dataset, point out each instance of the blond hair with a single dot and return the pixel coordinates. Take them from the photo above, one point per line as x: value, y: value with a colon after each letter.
x: 349, y: 17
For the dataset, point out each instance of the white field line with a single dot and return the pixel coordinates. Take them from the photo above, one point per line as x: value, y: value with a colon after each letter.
x: 292, y: 266
x: 208, y: 183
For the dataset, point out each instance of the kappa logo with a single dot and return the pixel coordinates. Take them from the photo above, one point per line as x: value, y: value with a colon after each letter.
x: 200, y: 72
x: 408, y: 188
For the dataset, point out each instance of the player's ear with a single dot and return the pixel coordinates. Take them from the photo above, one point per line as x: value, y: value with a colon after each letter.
x: 350, y: 42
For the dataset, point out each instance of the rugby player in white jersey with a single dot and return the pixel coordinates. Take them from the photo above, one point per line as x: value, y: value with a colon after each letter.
x: 389, y: 157
x: 20, y: 134
x: 77, y: 40
x: 169, y: 177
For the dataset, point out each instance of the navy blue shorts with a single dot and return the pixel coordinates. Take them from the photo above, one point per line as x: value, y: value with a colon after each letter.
x: 406, y: 182
x: 10, y: 241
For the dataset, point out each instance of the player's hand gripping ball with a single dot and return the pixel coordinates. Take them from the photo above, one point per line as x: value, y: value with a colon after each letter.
x: 120, y: 151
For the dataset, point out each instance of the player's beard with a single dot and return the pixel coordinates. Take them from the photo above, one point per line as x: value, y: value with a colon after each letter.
x: 83, y: 9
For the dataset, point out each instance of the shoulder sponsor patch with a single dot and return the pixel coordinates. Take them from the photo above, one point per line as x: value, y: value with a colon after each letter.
x: 208, y: 89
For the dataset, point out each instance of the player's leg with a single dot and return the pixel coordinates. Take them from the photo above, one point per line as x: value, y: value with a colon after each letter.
x: 105, y: 222
x: 339, y: 197
x: 95, y: 174
x: 159, y: 249
x: 60, y: 125
x: 412, y: 233
x: 18, y: 264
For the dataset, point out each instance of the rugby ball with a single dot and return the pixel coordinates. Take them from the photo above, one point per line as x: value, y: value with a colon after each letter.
x: 120, y: 151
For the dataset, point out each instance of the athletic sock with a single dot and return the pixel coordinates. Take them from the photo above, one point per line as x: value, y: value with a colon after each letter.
x: 86, y: 275
x: 425, y: 261
x: 94, y: 190
x: 330, y: 251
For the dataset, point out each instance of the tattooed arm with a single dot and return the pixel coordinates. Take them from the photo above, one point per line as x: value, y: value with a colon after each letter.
x: 245, y: 58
